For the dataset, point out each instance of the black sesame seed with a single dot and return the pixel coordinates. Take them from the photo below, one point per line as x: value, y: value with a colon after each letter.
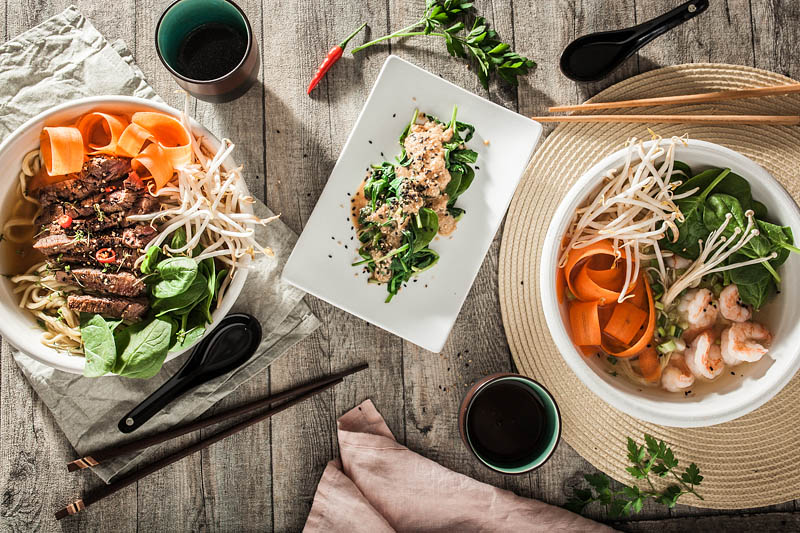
x: 370, y: 142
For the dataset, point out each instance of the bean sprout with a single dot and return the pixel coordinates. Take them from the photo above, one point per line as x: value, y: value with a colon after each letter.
x: 634, y: 208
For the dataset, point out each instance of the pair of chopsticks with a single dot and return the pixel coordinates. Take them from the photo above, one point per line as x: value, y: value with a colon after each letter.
x: 702, y: 98
x: 292, y: 397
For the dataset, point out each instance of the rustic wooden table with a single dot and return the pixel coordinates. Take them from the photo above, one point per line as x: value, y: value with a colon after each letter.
x: 264, y: 478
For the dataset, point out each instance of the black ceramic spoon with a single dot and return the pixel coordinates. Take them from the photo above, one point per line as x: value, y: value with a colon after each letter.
x: 230, y: 344
x: 593, y: 57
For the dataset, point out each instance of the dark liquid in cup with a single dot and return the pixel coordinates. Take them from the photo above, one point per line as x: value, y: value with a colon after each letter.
x: 211, y: 51
x: 506, y: 422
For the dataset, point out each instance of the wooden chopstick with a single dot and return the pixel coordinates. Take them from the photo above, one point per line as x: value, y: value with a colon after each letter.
x: 96, y: 458
x: 786, y: 120
x: 106, y: 490
x: 701, y: 98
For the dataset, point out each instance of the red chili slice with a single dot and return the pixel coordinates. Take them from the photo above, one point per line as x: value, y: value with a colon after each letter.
x: 105, y: 255
x: 64, y: 221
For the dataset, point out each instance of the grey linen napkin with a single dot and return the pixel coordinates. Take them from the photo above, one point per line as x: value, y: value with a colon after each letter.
x: 65, y: 58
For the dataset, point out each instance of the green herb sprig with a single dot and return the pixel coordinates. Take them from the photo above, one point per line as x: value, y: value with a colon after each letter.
x: 653, y: 457
x: 446, y: 19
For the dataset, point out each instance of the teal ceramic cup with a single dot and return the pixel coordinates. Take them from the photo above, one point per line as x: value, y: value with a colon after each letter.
x: 539, y: 413
x: 179, y: 29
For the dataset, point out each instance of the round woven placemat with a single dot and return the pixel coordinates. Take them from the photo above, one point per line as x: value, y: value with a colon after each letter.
x: 748, y: 462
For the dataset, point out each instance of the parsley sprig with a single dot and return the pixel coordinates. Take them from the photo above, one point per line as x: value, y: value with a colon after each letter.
x: 653, y: 457
x: 447, y: 19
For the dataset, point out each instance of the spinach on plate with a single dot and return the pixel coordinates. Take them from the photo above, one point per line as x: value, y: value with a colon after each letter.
x: 385, y: 189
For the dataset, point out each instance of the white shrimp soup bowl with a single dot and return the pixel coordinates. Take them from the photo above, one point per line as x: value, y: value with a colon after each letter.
x: 17, y: 325
x: 710, y: 402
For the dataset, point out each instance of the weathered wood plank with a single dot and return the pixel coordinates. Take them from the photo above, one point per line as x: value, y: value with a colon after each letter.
x: 176, y: 491
x: 304, y: 137
x: 720, y: 35
x: 237, y: 472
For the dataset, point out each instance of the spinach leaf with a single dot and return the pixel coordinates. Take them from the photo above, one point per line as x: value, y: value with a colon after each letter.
x: 454, y: 184
x: 190, y: 297
x: 692, y: 229
x: 150, y: 260
x: 209, y: 270
x: 145, y: 347
x: 424, y: 228
x: 732, y: 184
x: 456, y: 212
x: 781, y: 238
x: 99, y: 348
x: 220, y: 278
x: 176, y: 275
x: 718, y: 206
x: 756, y: 294
x: 184, y: 339
x: 759, y: 209
x: 746, y: 275
x: 187, y: 330
x: 178, y: 238
x: 466, y: 180
x: 683, y: 168
x: 465, y: 156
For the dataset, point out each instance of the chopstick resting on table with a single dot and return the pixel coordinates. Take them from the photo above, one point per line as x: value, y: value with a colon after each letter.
x: 294, y: 396
x: 701, y: 98
x: 778, y: 120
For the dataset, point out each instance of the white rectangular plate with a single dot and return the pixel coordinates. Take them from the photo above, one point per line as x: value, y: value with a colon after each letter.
x: 425, y: 310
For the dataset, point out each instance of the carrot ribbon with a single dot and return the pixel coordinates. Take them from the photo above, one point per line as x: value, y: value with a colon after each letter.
x: 595, y: 275
x: 157, y: 144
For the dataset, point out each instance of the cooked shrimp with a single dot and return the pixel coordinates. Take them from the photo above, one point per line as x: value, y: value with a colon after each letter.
x: 744, y: 342
x: 703, y: 356
x: 676, y: 261
x: 731, y: 306
x: 676, y: 375
x: 699, y: 309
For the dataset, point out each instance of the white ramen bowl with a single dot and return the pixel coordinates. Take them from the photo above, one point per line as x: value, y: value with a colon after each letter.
x: 710, y: 402
x: 17, y: 325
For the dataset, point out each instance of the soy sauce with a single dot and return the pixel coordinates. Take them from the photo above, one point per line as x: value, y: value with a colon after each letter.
x: 211, y: 51
x: 506, y: 423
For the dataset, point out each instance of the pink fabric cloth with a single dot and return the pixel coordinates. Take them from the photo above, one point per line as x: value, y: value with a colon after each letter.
x: 379, y: 485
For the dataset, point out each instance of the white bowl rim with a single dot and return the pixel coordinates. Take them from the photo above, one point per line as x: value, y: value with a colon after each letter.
x: 74, y: 364
x: 643, y: 408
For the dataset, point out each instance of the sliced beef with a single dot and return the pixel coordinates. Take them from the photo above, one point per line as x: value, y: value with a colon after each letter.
x: 94, y: 279
x: 95, y: 223
x: 126, y: 259
x: 113, y: 306
x: 113, y: 201
x: 134, y: 238
x: 97, y: 172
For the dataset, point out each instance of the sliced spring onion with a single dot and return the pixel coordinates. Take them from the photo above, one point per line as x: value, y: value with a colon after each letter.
x: 667, y: 347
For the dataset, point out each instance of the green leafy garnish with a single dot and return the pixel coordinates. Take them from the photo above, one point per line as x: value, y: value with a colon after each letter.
x: 652, y: 457
x: 384, y: 189
x: 448, y: 19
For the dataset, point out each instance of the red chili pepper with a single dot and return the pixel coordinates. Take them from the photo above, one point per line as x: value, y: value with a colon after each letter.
x: 64, y: 221
x: 105, y: 255
x: 334, y: 54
